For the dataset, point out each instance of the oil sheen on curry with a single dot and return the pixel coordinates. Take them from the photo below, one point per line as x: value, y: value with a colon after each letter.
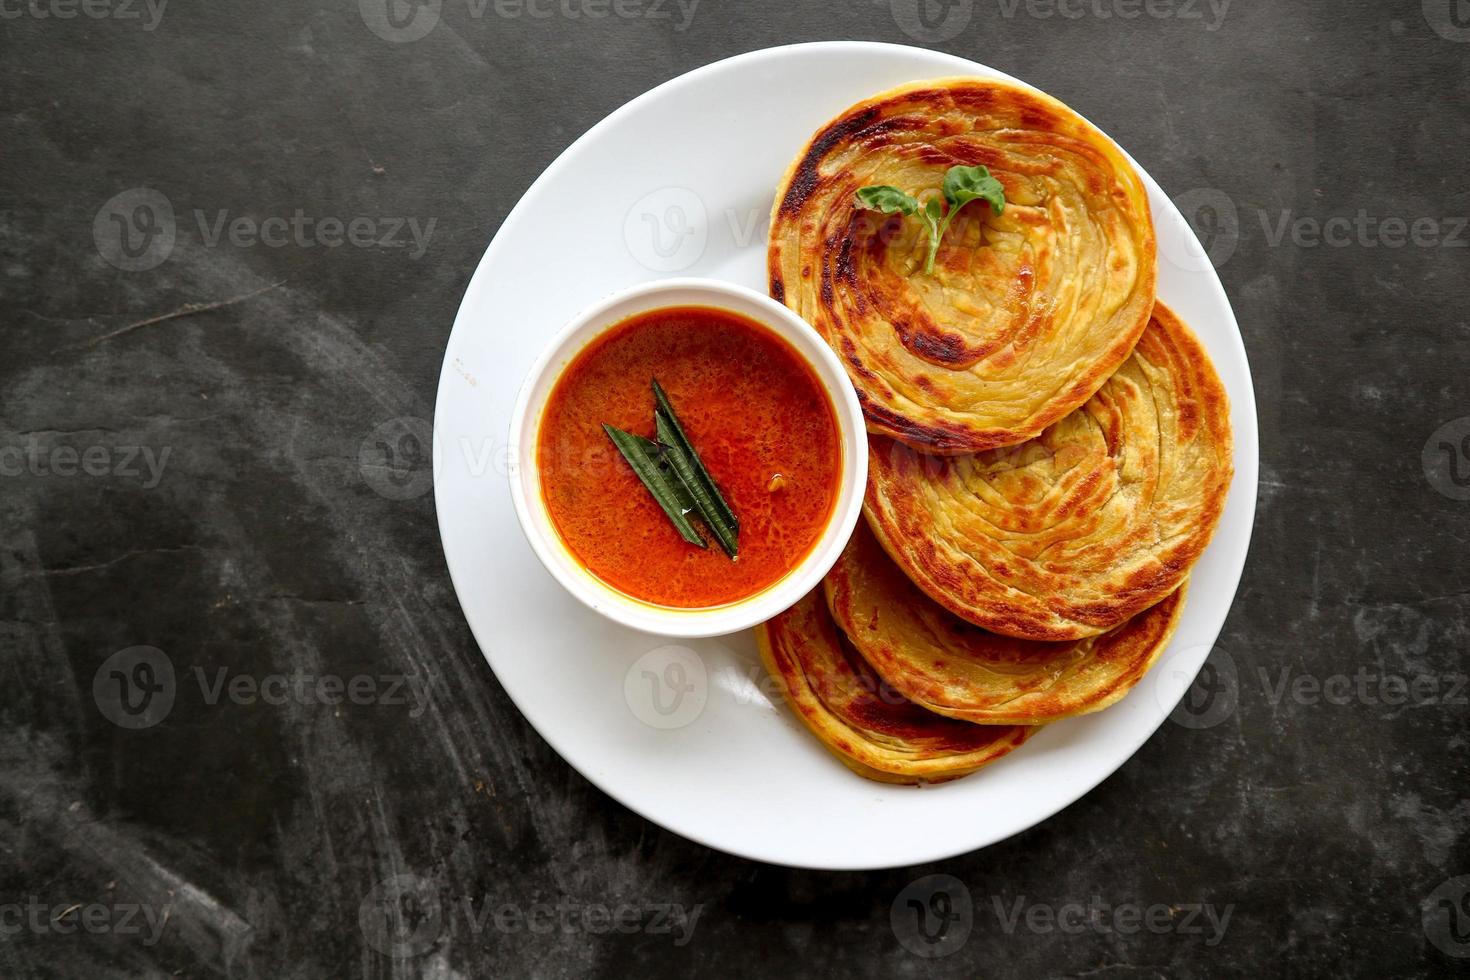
x: 751, y: 416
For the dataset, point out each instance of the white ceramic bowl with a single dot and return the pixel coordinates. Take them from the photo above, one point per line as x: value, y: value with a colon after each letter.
x: 525, y: 479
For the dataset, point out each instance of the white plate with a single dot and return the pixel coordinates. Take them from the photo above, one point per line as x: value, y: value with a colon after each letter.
x: 679, y: 182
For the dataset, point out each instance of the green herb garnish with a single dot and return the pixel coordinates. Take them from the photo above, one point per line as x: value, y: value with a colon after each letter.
x: 646, y: 458
x: 961, y: 186
x: 676, y: 476
x: 707, y: 497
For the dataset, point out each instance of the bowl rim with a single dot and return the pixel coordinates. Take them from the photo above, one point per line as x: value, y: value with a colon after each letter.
x: 540, y: 531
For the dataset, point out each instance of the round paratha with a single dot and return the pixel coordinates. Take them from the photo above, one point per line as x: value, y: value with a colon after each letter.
x: 871, y: 728
x: 1025, y: 313
x: 954, y: 668
x: 1074, y: 532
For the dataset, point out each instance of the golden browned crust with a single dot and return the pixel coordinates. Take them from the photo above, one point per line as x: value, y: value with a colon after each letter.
x: 953, y: 668
x: 1074, y: 532
x: 1025, y: 314
x: 865, y: 723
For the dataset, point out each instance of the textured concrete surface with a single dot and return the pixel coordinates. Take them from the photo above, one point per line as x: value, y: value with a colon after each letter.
x: 234, y: 494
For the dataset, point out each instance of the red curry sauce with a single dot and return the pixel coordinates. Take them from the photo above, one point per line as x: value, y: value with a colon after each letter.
x: 754, y: 411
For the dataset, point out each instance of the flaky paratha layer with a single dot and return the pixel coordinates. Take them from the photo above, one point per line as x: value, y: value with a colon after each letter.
x: 1072, y: 533
x: 870, y: 727
x: 1026, y: 312
x: 954, y: 668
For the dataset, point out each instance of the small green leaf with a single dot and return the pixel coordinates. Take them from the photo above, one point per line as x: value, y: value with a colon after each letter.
x: 889, y: 200
x: 965, y: 184
x: 961, y: 186
x: 647, y: 461
x: 695, y: 476
x: 727, y: 534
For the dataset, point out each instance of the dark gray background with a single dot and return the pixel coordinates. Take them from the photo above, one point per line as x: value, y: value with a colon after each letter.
x: 264, y: 839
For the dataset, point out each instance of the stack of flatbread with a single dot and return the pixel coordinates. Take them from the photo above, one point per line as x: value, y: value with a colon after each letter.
x: 1050, y: 447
